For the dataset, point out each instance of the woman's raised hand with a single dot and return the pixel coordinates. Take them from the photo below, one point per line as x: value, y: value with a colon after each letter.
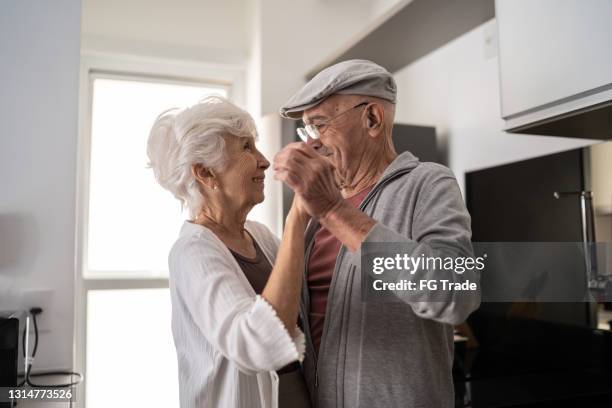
x: 298, y: 209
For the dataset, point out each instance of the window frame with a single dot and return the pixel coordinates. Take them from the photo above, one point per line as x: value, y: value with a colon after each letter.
x: 228, y: 77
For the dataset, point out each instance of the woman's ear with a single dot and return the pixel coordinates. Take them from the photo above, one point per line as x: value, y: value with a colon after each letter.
x: 204, y: 176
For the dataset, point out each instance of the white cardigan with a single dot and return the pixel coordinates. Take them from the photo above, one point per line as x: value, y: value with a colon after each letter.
x: 229, y: 341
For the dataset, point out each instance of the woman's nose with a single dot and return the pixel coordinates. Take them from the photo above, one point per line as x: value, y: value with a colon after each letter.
x: 263, y: 162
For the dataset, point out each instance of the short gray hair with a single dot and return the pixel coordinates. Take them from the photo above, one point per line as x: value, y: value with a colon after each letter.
x: 180, y: 139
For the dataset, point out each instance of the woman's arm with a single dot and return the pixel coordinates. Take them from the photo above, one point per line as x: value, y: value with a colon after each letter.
x: 246, y: 330
x: 285, y: 282
x: 255, y: 334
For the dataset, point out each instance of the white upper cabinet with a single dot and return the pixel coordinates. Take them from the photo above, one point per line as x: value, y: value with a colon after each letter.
x: 555, y: 61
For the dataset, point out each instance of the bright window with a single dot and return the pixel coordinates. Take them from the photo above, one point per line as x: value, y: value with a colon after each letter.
x: 131, y: 361
x: 132, y: 220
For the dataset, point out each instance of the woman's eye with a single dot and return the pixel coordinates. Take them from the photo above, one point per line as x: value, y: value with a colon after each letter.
x: 247, y: 146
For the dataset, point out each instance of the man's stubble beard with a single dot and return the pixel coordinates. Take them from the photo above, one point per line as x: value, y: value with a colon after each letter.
x: 334, y: 157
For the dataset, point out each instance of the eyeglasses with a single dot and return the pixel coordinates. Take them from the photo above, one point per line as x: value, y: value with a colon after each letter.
x: 313, y: 131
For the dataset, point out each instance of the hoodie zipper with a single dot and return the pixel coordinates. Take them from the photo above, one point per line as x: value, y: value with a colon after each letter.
x: 306, y: 306
x: 332, y: 285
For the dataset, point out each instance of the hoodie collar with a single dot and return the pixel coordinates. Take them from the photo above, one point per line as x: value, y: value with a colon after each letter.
x: 404, y: 161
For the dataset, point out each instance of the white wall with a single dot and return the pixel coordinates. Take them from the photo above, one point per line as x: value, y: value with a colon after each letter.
x: 296, y: 36
x: 456, y: 89
x: 204, y: 30
x: 39, y: 50
x: 382, y: 7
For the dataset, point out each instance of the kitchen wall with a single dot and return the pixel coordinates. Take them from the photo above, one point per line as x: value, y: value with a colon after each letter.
x: 39, y: 45
x: 456, y: 89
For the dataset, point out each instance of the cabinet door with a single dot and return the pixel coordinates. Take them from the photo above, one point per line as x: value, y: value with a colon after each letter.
x: 552, y: 51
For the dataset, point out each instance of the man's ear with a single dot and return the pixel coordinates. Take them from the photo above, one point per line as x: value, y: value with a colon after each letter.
x: 375, y: 116
x: 204, y: 176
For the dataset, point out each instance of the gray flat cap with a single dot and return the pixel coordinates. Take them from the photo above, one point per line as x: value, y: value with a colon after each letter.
x: 352, y: 77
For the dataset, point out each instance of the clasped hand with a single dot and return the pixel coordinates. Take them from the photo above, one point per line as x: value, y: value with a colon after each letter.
x: 310, y: 175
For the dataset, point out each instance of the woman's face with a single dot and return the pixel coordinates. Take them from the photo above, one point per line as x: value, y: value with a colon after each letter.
x: 242, y: 180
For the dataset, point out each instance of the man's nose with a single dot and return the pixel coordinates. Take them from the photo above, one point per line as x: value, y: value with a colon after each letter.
x: 314, y: 143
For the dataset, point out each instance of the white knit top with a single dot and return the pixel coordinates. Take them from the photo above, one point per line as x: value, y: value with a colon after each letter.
x: 229, y: 341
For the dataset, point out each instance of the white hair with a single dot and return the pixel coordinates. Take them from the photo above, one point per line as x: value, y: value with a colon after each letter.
x: 180, y: 139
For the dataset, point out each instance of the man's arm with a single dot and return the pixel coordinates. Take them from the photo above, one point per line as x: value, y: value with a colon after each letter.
x: 348, y: 224
x: 440, y: 229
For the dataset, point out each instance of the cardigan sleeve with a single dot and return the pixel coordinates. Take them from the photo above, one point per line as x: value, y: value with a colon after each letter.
x: 244, y: 328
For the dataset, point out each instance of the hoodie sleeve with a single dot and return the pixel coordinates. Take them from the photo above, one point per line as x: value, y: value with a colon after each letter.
x: 440, y: 228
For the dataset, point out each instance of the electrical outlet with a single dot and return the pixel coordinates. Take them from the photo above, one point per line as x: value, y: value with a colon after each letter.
x: 42, y: 298
x: 490, y: 40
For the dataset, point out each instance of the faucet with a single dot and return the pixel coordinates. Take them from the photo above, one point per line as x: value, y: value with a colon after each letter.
x: 600, y: 286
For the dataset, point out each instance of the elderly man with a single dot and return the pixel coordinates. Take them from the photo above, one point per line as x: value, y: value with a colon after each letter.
x: 359, y: 191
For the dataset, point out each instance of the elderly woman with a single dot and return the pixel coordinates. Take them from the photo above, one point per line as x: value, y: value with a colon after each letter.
x: 234, y: 289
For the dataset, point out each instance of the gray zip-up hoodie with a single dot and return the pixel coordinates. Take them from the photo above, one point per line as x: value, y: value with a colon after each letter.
x: 378, y: 354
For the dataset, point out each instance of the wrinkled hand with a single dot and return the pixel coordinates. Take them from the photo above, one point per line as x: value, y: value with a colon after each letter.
x: 309, y: 175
